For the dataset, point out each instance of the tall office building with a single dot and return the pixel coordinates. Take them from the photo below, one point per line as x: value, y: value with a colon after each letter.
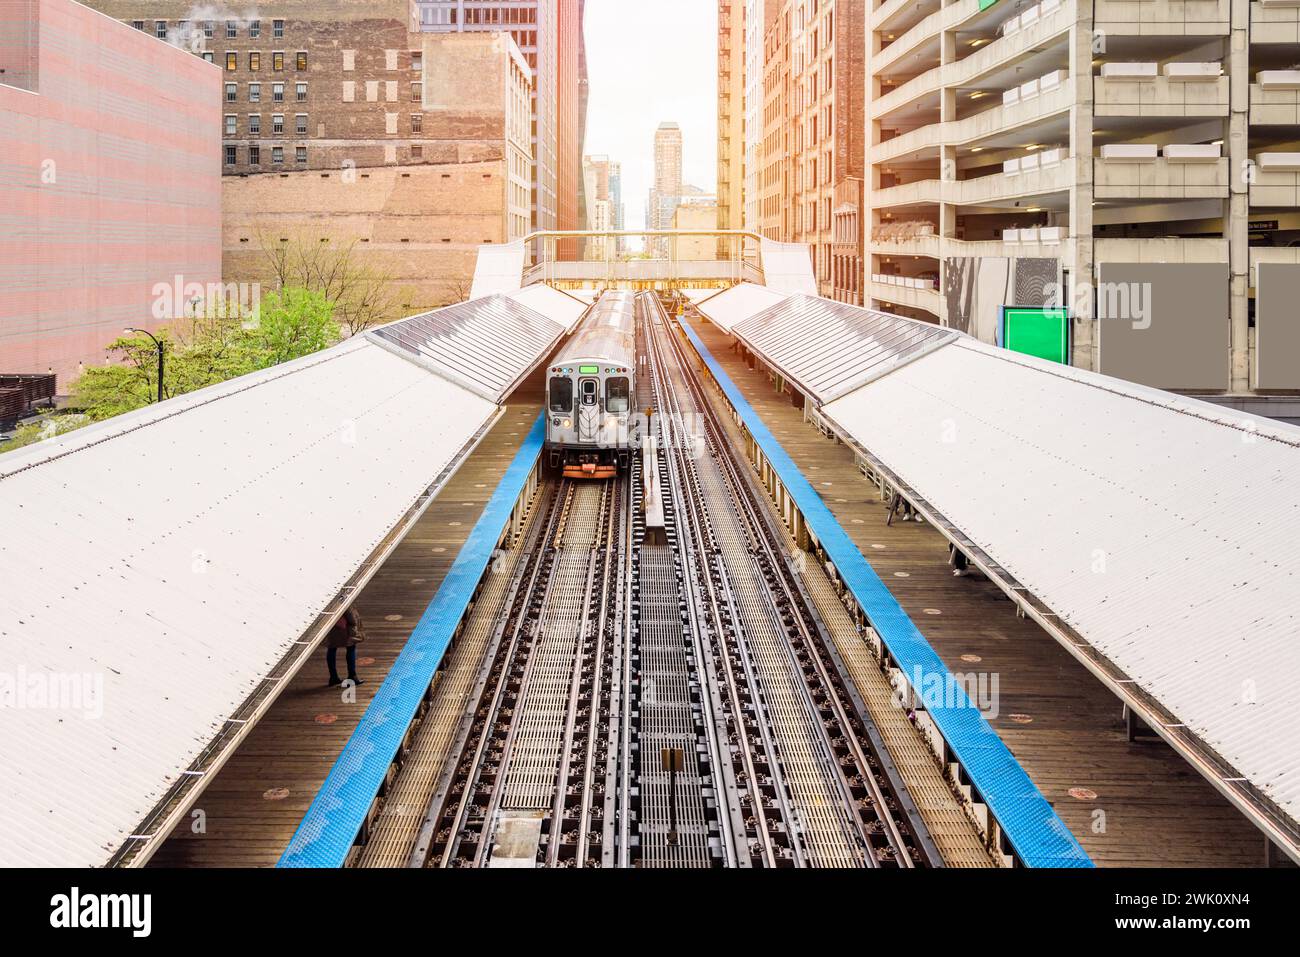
x: 1146, y: 165
x: 758, y: 19
x: 571, y: 100
x: 537, y: 26
x: 666, y: 194
x: 602, y: 179
x: 668, y: 159
x: 812, y: 147
x: 731, y: 113
x: 616, y: 201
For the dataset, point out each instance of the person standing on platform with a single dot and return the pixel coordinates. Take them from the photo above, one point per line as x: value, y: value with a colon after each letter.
x: 347, y: 633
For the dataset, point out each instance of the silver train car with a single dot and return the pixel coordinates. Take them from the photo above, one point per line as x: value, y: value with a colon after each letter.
x: 591, y: 426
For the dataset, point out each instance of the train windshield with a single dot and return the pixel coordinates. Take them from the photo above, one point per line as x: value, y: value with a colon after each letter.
x: 617, y: 395
x: 561, y: 395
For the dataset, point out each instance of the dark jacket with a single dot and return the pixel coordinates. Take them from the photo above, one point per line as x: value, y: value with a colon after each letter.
x: 346, y: 631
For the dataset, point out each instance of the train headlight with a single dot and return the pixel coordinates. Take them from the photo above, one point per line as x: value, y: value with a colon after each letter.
x: 568, y: 424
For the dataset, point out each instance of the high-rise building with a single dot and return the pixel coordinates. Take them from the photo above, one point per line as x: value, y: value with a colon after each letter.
x: 1146, y: 166
x: 536, y: 27
x: 666, y: 194
x: 603, y: 185
x: 571, y: 211
x: 112, y: 185
x: 812, y: 148
x: 758, y: 19
x: 731, y: 113
x: 668, y: 159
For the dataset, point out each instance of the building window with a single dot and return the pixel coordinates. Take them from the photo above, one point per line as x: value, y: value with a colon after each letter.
x: 277, y: 154
x: 254, y: 28
x: 417, y: 61
x: 277, y: 92
x: 277, y: 123
x: 254, y: 93
x: 417, y: 152
x: 138, y: 24
x: 255, y: 156
x: 300, y: 155
x: 232, y: 29
x: 160, y: 29
x: 417, y: 122
x: 232, y: 91
x: 254, y: 124
x: 301, y: 90
x: 417, y: 92
x: 207, y: 28
x: 207, y: 55
x: 277, y: 28
x: 232, y: 61
x: 277, y: 60
x: 300, y: 124
x: 300, y: 60
x: 254, y: 61
x: 232, y: 124
x: 231, y: 157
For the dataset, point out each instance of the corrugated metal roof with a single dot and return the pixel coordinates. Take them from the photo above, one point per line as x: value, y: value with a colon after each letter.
x: 499, y: 268
x: 486, y: 345
x: 174, y: 556
x: 828, y: 348
x: 787, y: 267
x: 738, y: 303
x: 1159, y: 528
x: 552, y: 303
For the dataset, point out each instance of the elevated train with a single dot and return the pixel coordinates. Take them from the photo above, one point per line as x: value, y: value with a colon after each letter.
x: 591, y: 427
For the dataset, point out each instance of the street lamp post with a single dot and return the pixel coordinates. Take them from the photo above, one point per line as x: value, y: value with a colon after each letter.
x: 158, y: 343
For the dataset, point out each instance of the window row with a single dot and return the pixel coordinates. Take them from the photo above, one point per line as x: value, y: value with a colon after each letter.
x: 255, y: 124
x: 255, y: 155
x: 209, y: 28
x: 255, y: 60
x: 255, y: 92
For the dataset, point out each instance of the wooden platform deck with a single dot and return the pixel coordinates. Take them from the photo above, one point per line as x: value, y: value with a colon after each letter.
x: 1129, y: 804
x: 254, y: 804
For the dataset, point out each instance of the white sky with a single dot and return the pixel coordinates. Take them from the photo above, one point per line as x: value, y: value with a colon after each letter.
x: 649, y: 61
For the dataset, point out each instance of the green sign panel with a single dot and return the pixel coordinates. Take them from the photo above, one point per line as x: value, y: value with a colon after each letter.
x: 985, y: 4
x: 1036, y: 331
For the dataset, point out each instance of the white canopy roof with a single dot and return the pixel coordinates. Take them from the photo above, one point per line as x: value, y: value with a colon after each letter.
x: 1160, y: 529
x: 738, y: 303
x: 160, y: 565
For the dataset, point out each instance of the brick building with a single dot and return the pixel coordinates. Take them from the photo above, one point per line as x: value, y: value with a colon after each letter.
x: 325, y: 136
x: 813, y: 144
x: 418, y: 224
x: 111, y: 192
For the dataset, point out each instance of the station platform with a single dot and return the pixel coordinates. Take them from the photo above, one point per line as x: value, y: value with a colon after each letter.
x: 1128, y: 803
x: 257, y: 800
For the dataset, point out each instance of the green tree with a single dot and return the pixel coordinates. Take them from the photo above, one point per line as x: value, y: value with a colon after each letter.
x: 293, y: 323
x: 199, y: 352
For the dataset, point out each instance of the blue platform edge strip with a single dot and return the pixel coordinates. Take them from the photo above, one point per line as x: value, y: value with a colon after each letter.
x: 329, y: 828
x: 1039, y: 837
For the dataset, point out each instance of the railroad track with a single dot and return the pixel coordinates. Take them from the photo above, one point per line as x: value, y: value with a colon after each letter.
x: 613, y: 701
x: 527, y: 784
x: 810, y: 791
